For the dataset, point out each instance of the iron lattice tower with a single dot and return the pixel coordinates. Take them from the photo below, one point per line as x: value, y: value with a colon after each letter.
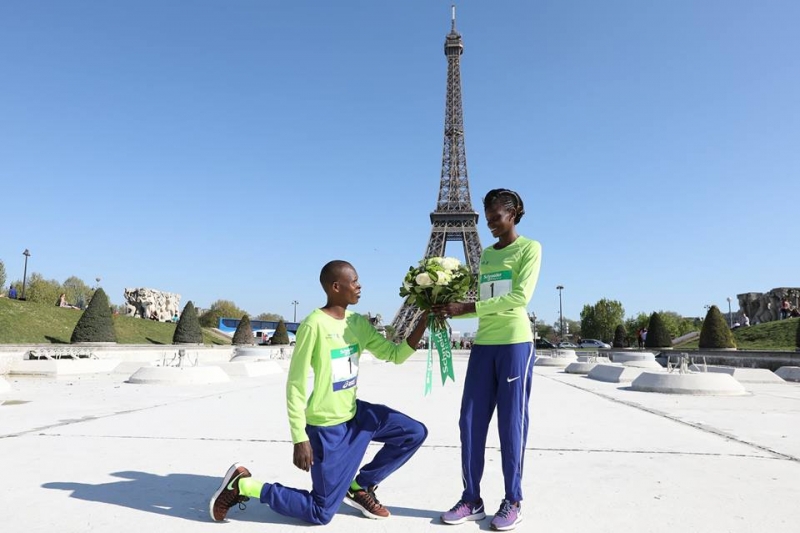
x: 454, y: 218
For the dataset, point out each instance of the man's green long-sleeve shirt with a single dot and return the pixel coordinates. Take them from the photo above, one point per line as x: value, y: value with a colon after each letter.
x: 331, y: 348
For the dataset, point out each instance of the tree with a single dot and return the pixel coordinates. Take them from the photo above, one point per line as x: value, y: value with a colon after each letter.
x: 77, y: 291
x: 244, y: 332
x: 2, y: 276
x: 281, y: 336
x: 634, y: 325
x: 40, y: 290
x: 188, y: 330
x: 619, y: 337
x: 715, y: 332
x: 676, y: 324
x: 544, y: 330
x: 657, y: 334
x: 269, y: 316
x: 95, y: 323
x: 217, y: 310
x: 598, y: 321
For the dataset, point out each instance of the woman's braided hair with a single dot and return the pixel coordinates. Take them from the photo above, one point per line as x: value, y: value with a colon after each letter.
x: 508, y: 199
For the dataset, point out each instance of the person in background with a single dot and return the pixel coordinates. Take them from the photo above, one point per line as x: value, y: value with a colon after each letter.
x: 12, y: 292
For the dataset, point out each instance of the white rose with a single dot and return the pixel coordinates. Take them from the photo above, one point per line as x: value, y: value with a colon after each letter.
x: 443, y: 278
x: 450, y: 263
x: 423, y: 280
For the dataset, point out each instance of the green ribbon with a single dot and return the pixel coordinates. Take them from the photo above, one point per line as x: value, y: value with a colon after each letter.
x: 439, y: 337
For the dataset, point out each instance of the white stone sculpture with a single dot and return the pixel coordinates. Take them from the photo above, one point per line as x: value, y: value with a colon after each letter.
x: 765, y: 307
x: 150, y: 303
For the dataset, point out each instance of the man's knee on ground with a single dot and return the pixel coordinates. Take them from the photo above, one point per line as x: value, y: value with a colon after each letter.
x: 323, y: 516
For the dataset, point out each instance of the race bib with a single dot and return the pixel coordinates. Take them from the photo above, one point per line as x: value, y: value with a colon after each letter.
x: 495, y: 284
x: 344, y: 367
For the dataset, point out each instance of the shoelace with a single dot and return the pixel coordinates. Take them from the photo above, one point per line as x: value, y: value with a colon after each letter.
x: 370, y: 499
x: 505, y: 509
x: 461, y: 503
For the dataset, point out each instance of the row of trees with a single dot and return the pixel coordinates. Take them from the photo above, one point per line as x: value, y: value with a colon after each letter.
x: 38, y: 289
x: 228, y: 309
x: 606, y: 321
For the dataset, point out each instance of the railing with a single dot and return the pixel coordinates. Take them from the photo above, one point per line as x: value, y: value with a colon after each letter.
x: 62, y: 352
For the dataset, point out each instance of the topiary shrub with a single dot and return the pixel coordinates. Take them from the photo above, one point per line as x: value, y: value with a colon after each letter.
x: 657, y: 333
x: 244, y: 332
x: 281, y: 336
x: 715, y: 332
x: 95, y: 324
x: 619, y: 337
x: 797, y: 336
x: 188, y: 330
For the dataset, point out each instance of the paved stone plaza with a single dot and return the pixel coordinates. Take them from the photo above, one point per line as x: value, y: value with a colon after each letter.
x: 93, y: 453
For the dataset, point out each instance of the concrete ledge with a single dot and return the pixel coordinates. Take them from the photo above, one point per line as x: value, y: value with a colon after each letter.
x: 597, y: 359
x: 580, y: 367
x: 645, y: 364
x: 742, y: 375
x: 558, y: 360
x: 5, y: 386
x: 261, y: 353
x: 789, y: 373
x: 250, y: 369
x: 6, y: 360
x: 62, y: 367
x: 174, y: 375
x: 623, y: 357
x: 614, y: 373
x: 701, y: 384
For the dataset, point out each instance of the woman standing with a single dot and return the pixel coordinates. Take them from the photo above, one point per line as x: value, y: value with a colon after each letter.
x: 501, y: 361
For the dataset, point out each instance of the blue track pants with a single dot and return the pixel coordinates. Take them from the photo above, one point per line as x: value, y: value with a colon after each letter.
x: 497, y: 376
x: 338, y: 451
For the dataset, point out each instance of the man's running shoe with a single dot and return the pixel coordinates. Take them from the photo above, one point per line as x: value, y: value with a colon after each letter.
x: 227, y: 494
x: 366, y: 502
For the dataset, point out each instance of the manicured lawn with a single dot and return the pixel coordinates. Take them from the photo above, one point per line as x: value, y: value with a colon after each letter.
x: 31, y: 323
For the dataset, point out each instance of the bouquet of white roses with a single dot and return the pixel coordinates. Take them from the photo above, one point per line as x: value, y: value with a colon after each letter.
x: 438, y: 280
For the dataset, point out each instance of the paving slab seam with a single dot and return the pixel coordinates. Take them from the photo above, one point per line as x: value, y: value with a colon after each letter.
x: 431, y: 447
x: 124, y: 412
x: 701, y: 427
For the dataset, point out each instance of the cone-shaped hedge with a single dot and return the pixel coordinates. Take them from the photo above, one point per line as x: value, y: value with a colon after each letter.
x: 797, y: 336
x: 657, y: 334
x: 619, y: 337
x: 188, y: 330
x: 715, y: 332
x: 280, y: 336
x: 244, y: 332
x: 95, y: 324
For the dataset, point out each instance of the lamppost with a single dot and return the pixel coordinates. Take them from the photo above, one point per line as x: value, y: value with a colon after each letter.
x: 560, y: 288
x: 532, y: 318
x: 27, y: 254
x: 730, y: 316
x: 294, y: 303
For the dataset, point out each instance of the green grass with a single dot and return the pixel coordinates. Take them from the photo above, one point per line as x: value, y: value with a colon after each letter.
x: 32, y: 323
x: 776, y: 335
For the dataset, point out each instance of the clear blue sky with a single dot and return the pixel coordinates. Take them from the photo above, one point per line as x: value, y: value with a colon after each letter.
x: 228, y: 149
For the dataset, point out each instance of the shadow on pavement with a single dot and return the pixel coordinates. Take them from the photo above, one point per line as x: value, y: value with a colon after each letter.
x: 186, y: 496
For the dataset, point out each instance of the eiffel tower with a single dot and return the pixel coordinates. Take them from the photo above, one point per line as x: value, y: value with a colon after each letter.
x: 454, y: 219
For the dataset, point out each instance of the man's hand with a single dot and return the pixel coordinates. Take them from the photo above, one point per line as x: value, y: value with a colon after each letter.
x: 303, y: 456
